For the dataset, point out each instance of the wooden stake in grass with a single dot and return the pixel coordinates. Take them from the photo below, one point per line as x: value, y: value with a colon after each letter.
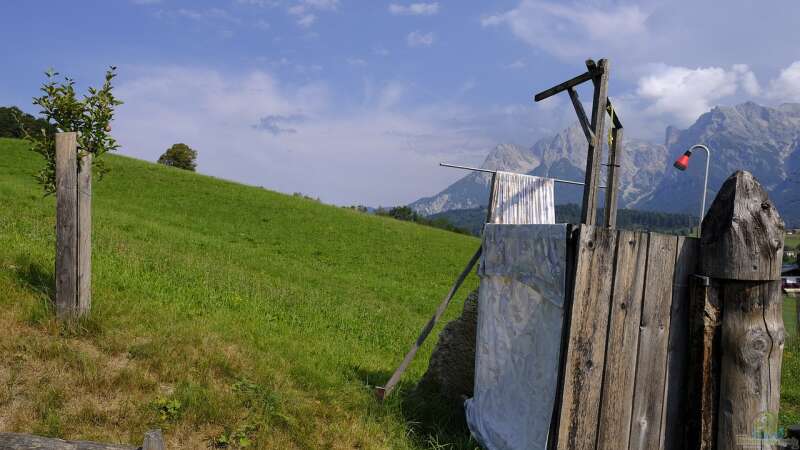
x: 73, y: 228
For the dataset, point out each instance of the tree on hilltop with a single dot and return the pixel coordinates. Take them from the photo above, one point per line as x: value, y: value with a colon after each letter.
x: 181, y: 156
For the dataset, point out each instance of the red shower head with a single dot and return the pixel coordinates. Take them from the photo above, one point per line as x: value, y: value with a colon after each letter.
x: 683, y: 161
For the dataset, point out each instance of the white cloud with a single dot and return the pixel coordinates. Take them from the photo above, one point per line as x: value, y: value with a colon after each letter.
x: 307, y: 20
x: 303, y: 9
x: 420, y: 39
x: 573, y: 30
x: 786, y: 87
x: 390, y: 95
x: 356, y: 62
x: 518, y: 64
x: 254, y: 129
x: 415, y: 9
x: 208, y: 15
x: 685, y: 94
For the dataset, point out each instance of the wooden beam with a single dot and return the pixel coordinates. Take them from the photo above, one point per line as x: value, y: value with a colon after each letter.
x: 582, y: 119
x: 592, y: 181
x: 614, y: 116
x: 567, y: 84
x: 381, y: 392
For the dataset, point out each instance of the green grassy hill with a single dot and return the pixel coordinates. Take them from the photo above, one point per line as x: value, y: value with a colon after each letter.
x: 218, y: 310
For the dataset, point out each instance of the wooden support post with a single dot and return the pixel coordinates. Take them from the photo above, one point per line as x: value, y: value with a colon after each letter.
x: 614, y: 161
x: 741, y: 251
x: 73, y: 228
x: 576, y: 103
x: 702, y: 395
x: 84, y: 266
x: 153, y: 440
x: 66, y: 224
x: 592, y: 181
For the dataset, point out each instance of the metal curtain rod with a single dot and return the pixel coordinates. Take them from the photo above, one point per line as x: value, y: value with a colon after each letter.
x: 476, y: 169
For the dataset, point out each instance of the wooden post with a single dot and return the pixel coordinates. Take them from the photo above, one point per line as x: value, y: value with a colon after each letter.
x: 84, y: 267
x: 592, y: 180
x: 73, y: 228
x: 741, y: 251
x: 66, y: 224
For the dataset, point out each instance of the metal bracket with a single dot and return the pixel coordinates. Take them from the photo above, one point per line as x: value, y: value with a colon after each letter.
x: 704, y: 280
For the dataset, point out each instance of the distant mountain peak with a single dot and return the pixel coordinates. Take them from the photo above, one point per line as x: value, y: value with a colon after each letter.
x: 761, y: 139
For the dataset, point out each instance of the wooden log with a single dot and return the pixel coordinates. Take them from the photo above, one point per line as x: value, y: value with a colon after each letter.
x: 648, y: 396
x: 585, y: 351
x: 623, y: 340
x: 705, y: 337
x: 744, y: 239
x: 673, y: 430
x: 84, y: 230
x: 612, y: 186
x: 66, y: 224
x: 742, y: 248
x: 18, y: 441
x: 594, y: 155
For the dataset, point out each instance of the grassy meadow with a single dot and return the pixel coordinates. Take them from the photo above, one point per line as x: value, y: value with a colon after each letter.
x: 230, y: 314
x: 221, y: 313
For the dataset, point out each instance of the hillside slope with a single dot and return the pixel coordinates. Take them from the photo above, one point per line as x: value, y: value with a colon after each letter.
x: 219, y: 310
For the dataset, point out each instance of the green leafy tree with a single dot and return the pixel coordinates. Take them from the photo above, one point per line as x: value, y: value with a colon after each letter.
x: 13, y: 122
x: 181, y: 156
x: 89, y: 116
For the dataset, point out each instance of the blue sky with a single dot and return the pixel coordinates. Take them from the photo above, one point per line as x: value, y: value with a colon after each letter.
x: 357, y: 101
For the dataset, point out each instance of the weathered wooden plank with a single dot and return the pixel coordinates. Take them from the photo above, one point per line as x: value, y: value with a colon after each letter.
x: 673, y: 427
x: 648, y: 397
x: 612, y: 185
x: 586, y: 76
x: 84, y: 230
x: 623, y: 340
x: 66, y: 224
x: 18, y: 441
x: 595, y: 152
x: 588, y: 327
x: 705, y: 336
x: 582, y: 119
x: 752, y: 348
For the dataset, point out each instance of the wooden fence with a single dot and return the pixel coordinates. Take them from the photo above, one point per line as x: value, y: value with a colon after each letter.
x: 624, y: 365
x: 647, y: 362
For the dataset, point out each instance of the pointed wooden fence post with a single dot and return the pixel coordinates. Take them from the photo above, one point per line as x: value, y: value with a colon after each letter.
x: 73, y: 228
x: 741, y: 253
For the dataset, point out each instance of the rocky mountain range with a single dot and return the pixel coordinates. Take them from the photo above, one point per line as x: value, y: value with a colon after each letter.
x: 763, y: 140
